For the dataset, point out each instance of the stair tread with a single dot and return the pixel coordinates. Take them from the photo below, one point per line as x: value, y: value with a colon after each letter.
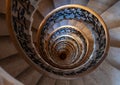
x: 3, y: 23
x: 2, y: 6
x: 97, y: 78
x: 64, y: 22
x: 56, y: 25
x: 7, y: 47
x: 34, y: 33
x: 88, y: 80
x: 114, y: 57
x: 46, y: 81
x: 100, y: 5
x: 72, y: 22
x: 81, y: 2
x: 100, y: 76
x: 78, y: 81
x: 112, y: 16
x: 37, y: 19
x: 58, y: 3
x: 85, y: 28
x: 62, y: 82
x: 14, y: 64
x: 45, y: 6
x: 29, y: 77
x: 112, y: 73
x: 115, y: 37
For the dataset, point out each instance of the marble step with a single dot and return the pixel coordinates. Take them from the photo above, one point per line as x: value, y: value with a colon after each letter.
x: 62, y: 82
x: 46, y: 81
x: 3, y: 26
x: 64, y: 22
x: 105, y: 74
x: 88, y: 80
x: 112, y: 16
x: 111, y: 72
x: 29, y: 76
x: 14, y: 65
x: 2, y: 6
x: 115, y: 37
x: 37, y: 19
x: 7, y: 47
x: 80, y: 2
x: 56, y: 25
x: 72, y: 22
x: 45, y: 6
x: 34, y: 34
x: 78, y: 81
x: 114, y: 57
x: 98, y: 77
x: 58, y: 3
x: 82, y: 27
x: 100, y: 5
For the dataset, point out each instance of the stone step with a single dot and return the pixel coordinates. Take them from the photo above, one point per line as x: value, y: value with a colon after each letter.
x: 3, y: 26
x: 2, y: 6
x: 46, y: 81
x: 62, y: 82
x: 114, y: 57
x: 58, y: 3
x: 29, y: 77
x: 98, y: 77
x: 112, y: 16
x: 88, y: 80
x: 100, y: 5
x: 34, y: 34
x: 37, y: 19
x: 7, y: 47
x: 64, y: 22
x: 78, y: 81
x: 56, y: 25
x: 115, y: 37
x: 45, y: 6
x: 113, y: 74
x: 72, y: 22
x: 14, y: 64
x: 104, y: 73
x: 81, y: 2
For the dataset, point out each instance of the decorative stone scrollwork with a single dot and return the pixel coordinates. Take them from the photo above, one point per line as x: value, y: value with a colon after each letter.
x: 63, y: 52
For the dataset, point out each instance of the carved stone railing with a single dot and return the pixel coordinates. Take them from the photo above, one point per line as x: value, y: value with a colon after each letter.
x: 63, y: 52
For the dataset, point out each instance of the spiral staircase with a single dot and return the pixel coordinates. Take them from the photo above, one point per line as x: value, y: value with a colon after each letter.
x: 11, y: 60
